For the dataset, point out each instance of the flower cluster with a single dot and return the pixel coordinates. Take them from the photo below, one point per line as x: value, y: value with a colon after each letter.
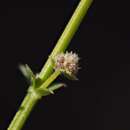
x: 67, y: 63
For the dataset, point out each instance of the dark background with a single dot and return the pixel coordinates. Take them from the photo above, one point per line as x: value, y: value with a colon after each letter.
x: 100, y: 100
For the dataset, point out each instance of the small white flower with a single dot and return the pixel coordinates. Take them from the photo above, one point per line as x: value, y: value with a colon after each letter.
x: 67, y: 63
x: 59, y: 61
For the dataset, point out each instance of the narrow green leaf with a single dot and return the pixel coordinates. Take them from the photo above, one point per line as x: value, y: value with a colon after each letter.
x: 28, y: 73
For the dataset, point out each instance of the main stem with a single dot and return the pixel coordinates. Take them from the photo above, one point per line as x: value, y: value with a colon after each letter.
x: 66, y: 36
x: 30, y: 99
x: 23, y: 112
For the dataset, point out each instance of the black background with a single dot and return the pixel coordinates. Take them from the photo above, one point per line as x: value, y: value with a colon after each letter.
x: 100, y: 100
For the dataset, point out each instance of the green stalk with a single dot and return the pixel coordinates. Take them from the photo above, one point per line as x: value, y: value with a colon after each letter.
x: 66, y: 36
x: 29, y: 102
x: 50, y: 79
x: 23, y: 112
x: 32, y: 96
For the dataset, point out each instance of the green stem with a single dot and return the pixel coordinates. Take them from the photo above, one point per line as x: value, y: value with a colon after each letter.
x: 29, y: 102
x: 32, y: 97
x: 66, y: 36
x: 23, y: 112
x: 50, y: 79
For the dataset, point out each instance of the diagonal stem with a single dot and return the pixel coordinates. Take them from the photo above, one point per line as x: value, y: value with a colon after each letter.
x: 30, y: 100
x: 66, y: 36
x: 50, y: 80
x: 23, y: 112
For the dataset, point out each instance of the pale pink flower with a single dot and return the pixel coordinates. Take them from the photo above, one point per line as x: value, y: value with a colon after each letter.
x: 67, y: 63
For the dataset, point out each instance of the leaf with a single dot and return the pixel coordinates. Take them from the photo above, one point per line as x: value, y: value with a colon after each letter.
x: 28, y: 73
x: 56, y: 86
x: 51, y: 89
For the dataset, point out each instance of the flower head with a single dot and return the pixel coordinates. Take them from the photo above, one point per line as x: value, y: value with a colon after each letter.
x: 67, y: 63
